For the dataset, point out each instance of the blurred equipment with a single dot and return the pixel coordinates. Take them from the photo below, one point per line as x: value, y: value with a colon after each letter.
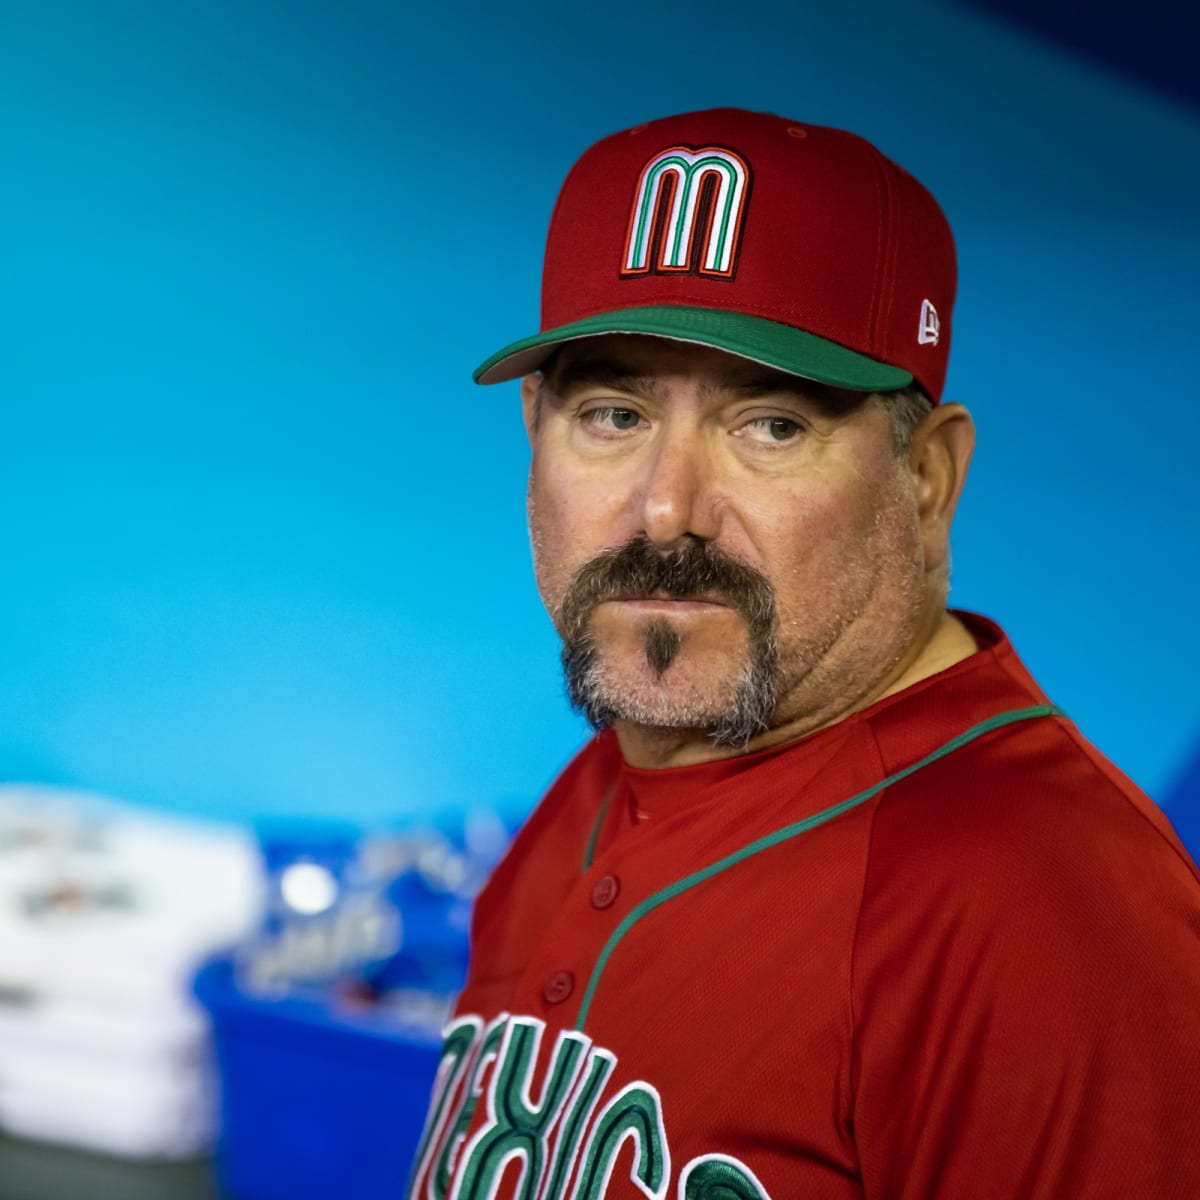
x: 328, y: 1020
x: 105, y: 912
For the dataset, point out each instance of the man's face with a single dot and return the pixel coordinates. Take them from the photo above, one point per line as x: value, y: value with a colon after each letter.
x: 721, y: 546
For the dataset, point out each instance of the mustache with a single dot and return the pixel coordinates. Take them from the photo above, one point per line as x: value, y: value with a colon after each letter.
x: 638, y: 570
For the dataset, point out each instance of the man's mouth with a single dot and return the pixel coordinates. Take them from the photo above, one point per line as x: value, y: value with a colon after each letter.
x: 663, y: 597
x: 670, y: 602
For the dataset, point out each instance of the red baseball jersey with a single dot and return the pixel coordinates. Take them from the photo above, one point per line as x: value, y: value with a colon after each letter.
x: 941, y: 950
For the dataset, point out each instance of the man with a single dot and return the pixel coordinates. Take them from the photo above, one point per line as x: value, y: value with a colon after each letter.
x: 836, y: 904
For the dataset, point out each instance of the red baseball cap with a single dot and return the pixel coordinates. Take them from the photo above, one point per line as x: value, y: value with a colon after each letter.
x: 798, y: 246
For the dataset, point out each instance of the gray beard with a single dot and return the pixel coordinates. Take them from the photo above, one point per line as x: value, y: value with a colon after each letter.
x: 639, y: 570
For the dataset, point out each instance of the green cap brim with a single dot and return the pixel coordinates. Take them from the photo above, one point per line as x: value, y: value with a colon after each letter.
x: 781, y: 346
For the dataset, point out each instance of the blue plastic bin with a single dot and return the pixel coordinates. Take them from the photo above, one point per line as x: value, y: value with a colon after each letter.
x: 316, y: 1103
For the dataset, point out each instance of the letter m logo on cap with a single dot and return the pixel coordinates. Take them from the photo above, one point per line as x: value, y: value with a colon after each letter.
x: 688, y: 213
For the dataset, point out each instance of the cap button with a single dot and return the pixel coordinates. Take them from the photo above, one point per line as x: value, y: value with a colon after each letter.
x: 558, y: 987
x: 605, y: 890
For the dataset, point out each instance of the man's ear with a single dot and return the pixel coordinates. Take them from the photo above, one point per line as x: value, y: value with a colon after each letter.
x: 939, y: 458
x: 531, y: 387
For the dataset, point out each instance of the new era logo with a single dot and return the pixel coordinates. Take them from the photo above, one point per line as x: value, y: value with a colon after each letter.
x: 931, y: 327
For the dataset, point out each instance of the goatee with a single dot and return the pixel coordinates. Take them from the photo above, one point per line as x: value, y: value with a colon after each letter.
x: 662, y: 644
x: 638, y: 570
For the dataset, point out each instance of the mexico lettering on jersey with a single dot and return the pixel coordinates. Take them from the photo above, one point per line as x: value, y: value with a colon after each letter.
x: 485, y: 1130
x: 512, y: 1115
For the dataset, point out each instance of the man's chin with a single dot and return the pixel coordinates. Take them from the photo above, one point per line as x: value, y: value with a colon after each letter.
x: 711, y: 683
x: 684, y: 696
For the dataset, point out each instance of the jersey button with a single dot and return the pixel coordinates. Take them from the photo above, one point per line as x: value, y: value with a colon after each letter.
x: 605, y: 890
x: 558, y: 987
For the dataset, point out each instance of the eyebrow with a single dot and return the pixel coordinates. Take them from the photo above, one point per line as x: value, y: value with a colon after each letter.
x: 601, y: 372
x: 754, y: 381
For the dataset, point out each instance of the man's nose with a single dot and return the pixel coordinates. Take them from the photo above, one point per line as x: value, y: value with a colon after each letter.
x: 677, y: 499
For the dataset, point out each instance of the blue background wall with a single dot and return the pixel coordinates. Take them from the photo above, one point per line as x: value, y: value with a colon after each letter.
x: 263, y: 541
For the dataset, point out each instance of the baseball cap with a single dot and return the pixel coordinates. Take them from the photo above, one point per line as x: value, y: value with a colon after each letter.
x: 798, y: 246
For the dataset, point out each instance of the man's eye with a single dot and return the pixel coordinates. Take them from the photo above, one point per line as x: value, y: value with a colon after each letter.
x: 614, y: 419
x: 772, y: 429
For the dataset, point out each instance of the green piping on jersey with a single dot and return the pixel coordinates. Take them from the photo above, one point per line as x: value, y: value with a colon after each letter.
x: 782, y: 835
